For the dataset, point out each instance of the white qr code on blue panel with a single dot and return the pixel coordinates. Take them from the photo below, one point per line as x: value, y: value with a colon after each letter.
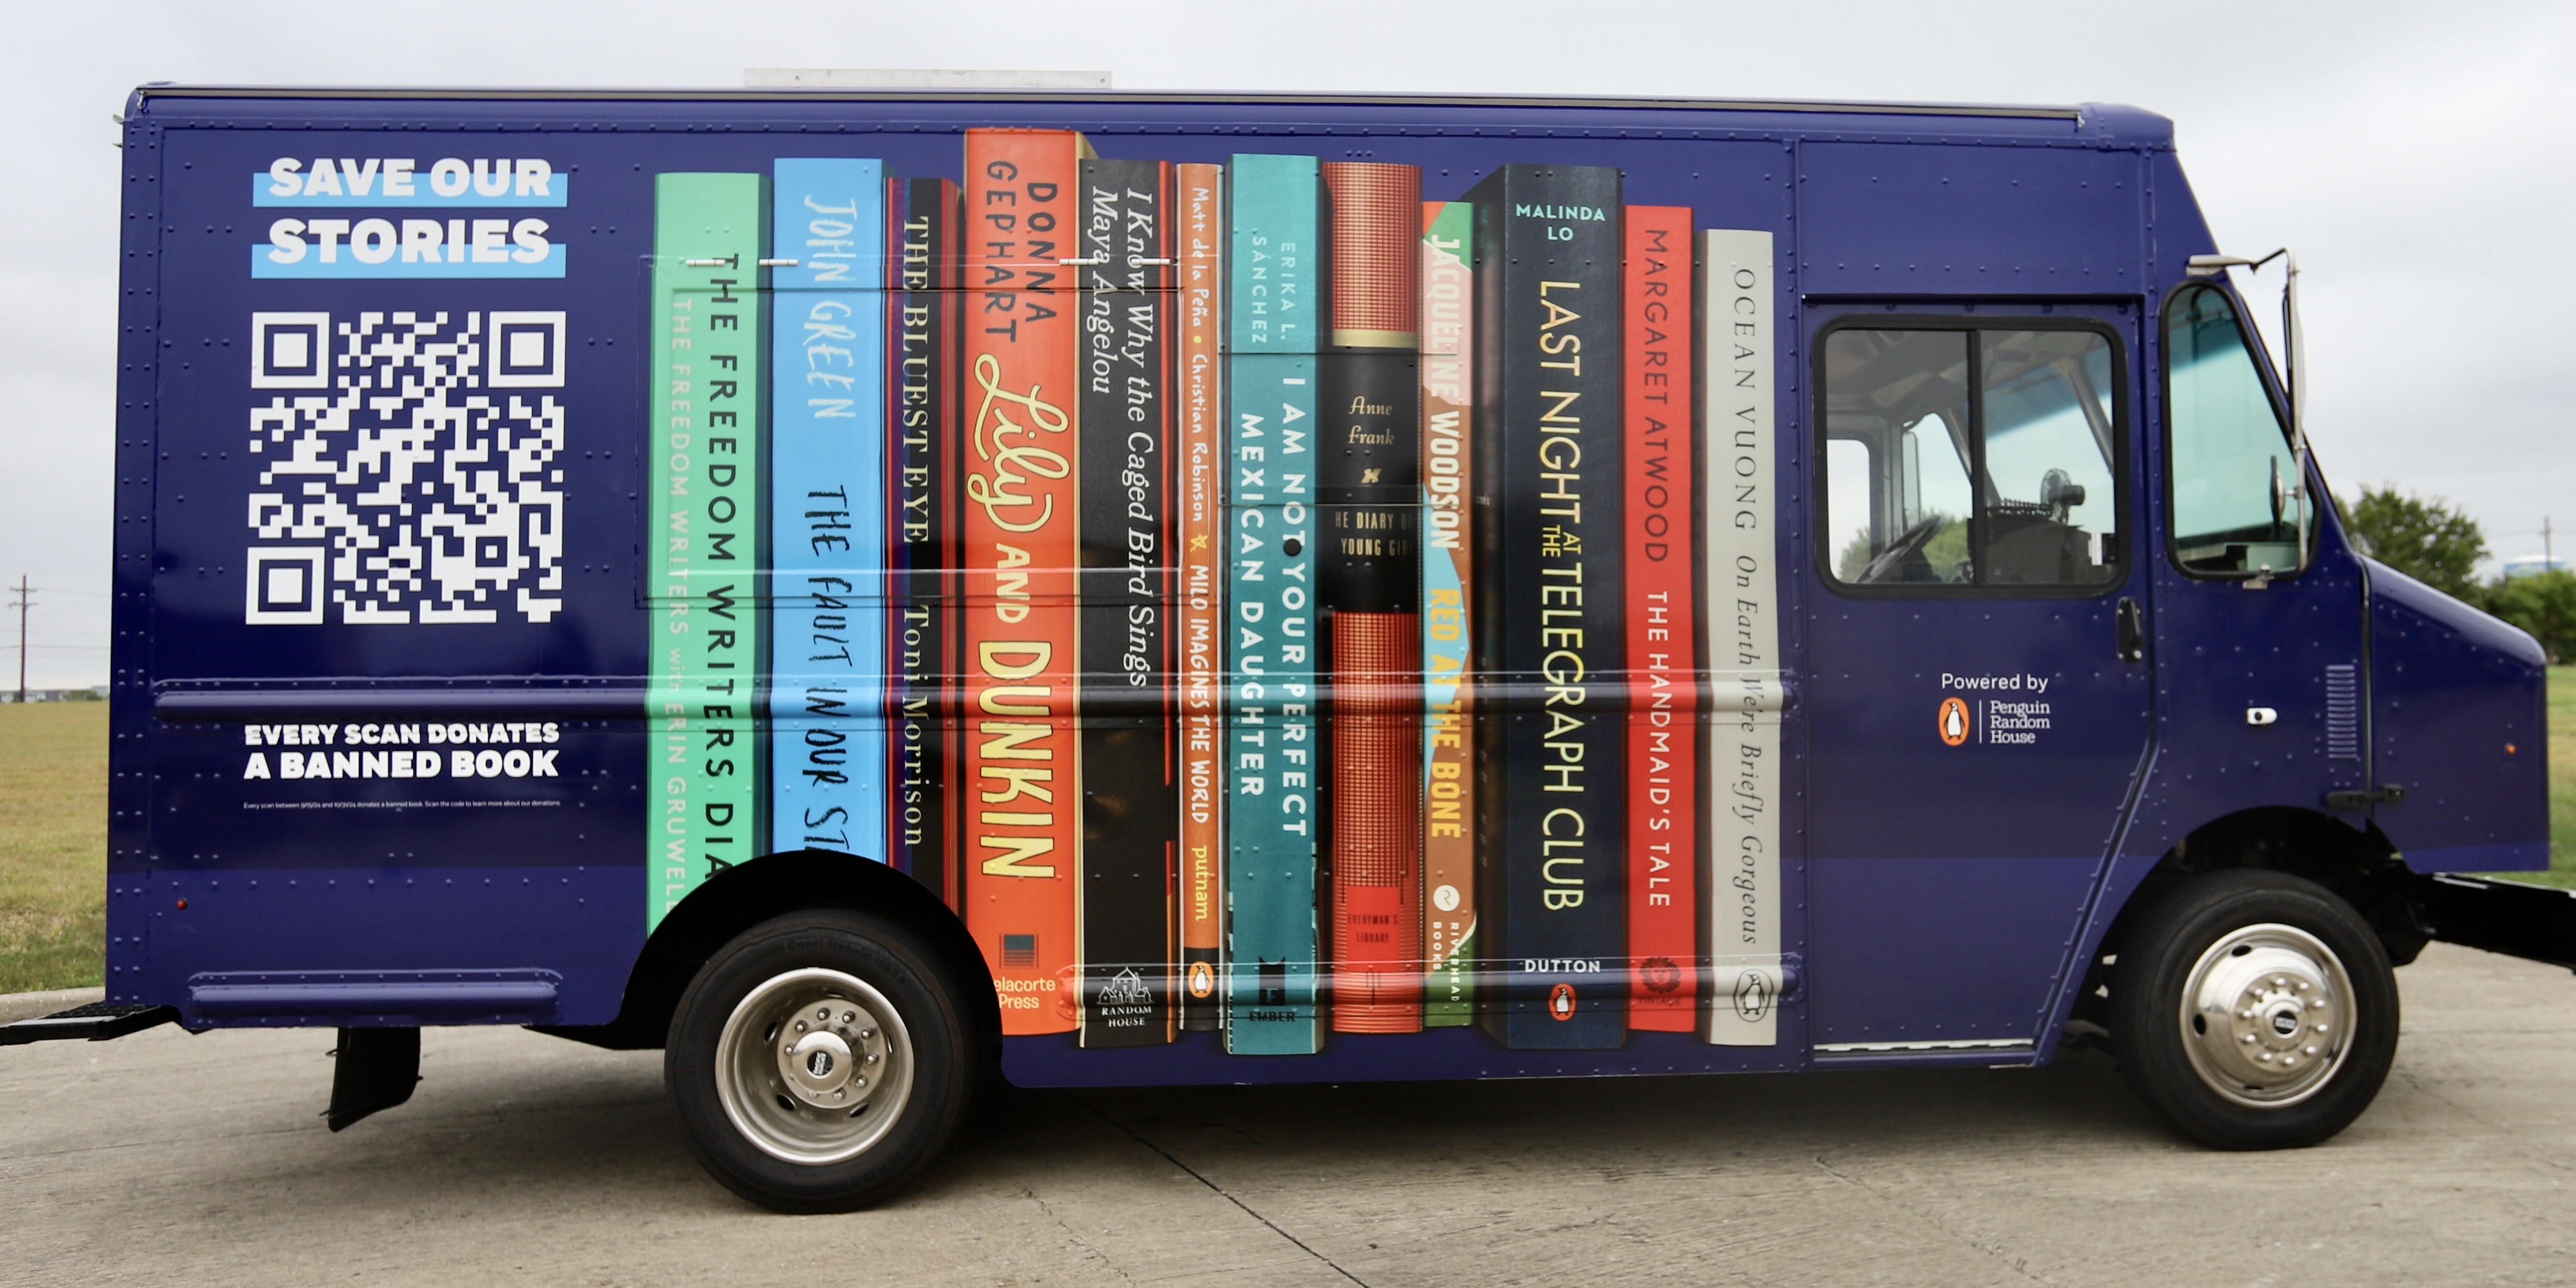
x: 410, y: 468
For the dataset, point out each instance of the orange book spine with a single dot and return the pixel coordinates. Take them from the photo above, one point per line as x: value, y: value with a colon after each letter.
x: 1202, y: 412
x: 1021, y: 778
x: 1663, y: 731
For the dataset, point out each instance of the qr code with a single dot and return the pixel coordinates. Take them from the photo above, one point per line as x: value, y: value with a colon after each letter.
x: 420, y: 479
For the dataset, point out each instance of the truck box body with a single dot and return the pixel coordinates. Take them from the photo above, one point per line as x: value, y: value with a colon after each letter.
x: 407, y: 381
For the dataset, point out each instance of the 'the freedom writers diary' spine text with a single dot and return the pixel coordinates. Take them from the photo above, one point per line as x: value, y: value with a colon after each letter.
x: 1130, y: 812
x: 1663, y: 721
x: 1271, y: 745
x: 1022, y: 835
x: 922, y: 269
x: 827, y: 508
x: 1198, y: 534
x: 1449, y: 592
x: 703, y: 555
x: 1548, y: 421
x: 1368, y: 476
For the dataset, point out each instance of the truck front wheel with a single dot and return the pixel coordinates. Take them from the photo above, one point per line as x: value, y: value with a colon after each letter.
x: 819, y: 1061
x: 2254, y: 1010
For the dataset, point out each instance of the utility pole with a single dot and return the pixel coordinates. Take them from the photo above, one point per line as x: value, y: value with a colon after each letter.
x: 2548, y: 557
x: 22, y: 606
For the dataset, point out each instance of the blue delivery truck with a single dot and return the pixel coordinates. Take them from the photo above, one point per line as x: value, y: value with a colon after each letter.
x: 867, y: 592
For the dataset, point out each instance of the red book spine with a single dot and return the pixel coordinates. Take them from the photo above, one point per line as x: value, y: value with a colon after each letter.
x: 1369, y: 480
x: 1199, y: 492
x: 1662, y: 720
x: 1021, y: 780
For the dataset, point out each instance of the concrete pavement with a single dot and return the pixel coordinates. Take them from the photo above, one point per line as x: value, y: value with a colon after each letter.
x: 523, y: 1159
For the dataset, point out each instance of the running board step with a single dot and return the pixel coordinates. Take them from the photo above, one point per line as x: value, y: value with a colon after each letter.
x: 97, y: 1022
x: 2510, y: 917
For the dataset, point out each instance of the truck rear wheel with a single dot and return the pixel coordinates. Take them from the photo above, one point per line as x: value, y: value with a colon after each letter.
x: 819, y: 1061
x: 2254, y: 1010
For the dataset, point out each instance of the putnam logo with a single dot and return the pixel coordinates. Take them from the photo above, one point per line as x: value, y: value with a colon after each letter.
x: 1560, y: 1002
x: 1954, y: 721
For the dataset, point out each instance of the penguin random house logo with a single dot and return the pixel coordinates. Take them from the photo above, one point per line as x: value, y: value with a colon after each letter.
x: 1202, y: 980
x: 1753, y: 996
x: 1956, y: 723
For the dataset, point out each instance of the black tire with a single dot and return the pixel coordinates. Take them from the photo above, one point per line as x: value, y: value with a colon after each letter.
x: 2243, y: 933
x: 798, y: 1150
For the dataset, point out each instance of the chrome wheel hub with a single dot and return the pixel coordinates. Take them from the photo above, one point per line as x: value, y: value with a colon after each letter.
x: 2265, y: 1015
x: 814, y: 1066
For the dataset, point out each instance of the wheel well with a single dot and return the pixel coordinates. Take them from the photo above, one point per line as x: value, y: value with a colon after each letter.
x: 2357, y: 864
x: 747, y: 894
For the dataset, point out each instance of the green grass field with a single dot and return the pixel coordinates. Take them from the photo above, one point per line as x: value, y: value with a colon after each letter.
x: 53, y: 861
x: 53, y: 855
x: 2562, y: 783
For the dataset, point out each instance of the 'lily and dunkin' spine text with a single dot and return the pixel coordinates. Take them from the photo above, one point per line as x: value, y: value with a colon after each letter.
x: 1022, y: 775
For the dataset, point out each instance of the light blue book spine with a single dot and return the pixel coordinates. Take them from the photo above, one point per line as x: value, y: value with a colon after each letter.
x: 1273, y: 745
x: 827, y: 499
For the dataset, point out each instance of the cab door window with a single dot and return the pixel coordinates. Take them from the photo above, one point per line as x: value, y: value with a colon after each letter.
x: 1971, y: 457
x: 2233, y: 471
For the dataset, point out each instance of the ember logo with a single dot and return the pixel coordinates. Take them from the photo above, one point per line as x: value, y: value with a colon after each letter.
x: 1560, y: 1002
x: 1954, y: 721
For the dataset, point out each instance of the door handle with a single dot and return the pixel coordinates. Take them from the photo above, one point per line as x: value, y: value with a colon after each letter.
x: 2133, y: 630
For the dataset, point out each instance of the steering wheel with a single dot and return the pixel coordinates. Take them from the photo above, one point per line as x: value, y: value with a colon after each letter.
x: 1907, y: 545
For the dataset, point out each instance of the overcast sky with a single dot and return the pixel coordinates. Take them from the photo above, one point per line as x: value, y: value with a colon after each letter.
x: 2417, y: 156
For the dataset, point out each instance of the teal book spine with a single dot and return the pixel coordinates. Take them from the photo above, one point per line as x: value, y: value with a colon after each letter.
x: 1273, y: 757
x: 827, y: 508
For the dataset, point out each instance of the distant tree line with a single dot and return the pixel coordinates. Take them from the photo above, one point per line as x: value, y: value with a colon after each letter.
x: 2437, y: 543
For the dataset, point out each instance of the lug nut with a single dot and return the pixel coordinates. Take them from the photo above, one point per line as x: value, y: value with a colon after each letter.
x: 849, y: 1017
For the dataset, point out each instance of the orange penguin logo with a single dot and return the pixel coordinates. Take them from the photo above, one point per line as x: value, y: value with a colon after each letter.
x: 1954, y: 721
x: 1560, y: 1002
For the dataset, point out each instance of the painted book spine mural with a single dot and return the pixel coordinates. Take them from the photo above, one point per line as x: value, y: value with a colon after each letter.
x: 1199, y: 557
x: 1554, y: 848
x: 1448, y: 531
x: 1130, y: 810
x: 1368, y: 481
x: 1273, y: 770
x: 1663, y: 719
x: 827, y: 509
x: 921, y: 270
x: 702, y: 554
x: 1019, y: 765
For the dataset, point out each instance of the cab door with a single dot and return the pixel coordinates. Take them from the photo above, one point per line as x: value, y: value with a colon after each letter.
x: 1977, y: 698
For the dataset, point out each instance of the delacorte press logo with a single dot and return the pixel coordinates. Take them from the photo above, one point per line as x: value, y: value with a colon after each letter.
x: 309, y: 246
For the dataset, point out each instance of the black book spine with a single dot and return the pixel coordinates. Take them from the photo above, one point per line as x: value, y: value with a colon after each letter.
x: 1129, y: 783
x: 923, y: 540
x: 1552, y: 849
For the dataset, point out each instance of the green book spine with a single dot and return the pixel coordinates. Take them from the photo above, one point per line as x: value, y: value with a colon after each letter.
x: 703, y: 552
